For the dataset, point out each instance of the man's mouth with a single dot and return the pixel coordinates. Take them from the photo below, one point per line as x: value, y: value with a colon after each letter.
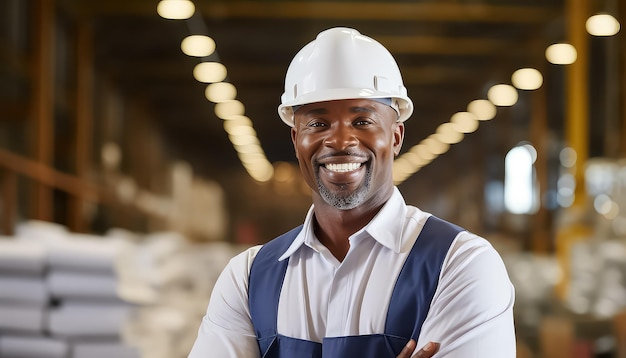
x: 342, y: 167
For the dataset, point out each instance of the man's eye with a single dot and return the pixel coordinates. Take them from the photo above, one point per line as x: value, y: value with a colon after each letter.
x: 316, y: 124
x: 362, y: 122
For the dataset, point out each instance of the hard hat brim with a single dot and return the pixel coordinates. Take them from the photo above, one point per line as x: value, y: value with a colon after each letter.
x: 285, y: 110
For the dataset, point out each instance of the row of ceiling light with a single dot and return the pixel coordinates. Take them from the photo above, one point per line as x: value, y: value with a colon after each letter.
x: 237, y: 125
x: 245, y: 141
x: 501, y: 95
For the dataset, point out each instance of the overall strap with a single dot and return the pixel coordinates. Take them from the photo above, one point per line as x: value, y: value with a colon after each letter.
x: 418, y: 279
x: 264, y: 285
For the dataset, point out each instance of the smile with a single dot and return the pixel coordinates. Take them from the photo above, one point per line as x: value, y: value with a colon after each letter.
x: 342, y: 167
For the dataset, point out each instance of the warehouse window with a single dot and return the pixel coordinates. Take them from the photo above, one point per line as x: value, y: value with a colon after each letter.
x: 520, y: 184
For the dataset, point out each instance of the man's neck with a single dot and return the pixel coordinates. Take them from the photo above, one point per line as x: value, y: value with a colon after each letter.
x: 333, y: 226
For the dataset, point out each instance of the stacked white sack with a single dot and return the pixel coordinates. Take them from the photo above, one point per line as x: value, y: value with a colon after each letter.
x: 161, y: 329
x: 98, y: 292
x: 23, y: 294
x: 121, y: 295
x: 24, y: 297
x: 17, y: 346
x: 183, y: 274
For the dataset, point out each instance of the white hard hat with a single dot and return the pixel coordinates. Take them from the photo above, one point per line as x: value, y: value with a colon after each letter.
x: 343, y: 64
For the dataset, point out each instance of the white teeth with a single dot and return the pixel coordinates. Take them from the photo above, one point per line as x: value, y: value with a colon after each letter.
x: 343, y: 167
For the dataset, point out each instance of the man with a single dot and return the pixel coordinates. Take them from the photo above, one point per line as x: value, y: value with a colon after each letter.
x: 366, y: 275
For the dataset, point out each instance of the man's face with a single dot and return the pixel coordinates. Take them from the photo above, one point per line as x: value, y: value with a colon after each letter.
x: 346, y: 149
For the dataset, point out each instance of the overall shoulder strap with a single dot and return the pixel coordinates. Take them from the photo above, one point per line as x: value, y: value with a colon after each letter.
x: 419, y: 277
x: 264, y: 286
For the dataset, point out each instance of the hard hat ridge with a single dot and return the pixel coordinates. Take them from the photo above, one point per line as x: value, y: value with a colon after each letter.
x: 343, y: 64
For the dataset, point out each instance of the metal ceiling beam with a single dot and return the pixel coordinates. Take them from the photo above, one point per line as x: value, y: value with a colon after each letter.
x: 320, y: 10
x: 443, y: 45
x: 440, y: 45
x: 248, y: 74
x: 394, y: 11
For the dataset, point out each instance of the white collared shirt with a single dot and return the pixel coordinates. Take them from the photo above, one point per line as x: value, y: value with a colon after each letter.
x: 471, y: 314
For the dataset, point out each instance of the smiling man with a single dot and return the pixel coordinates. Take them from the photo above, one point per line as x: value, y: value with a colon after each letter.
x: 366, y: 275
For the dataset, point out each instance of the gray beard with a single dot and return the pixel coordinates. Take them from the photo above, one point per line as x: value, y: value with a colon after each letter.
x: 346, y: 201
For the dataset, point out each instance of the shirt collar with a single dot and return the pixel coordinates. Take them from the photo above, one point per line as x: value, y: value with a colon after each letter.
x: 306, y: 235
x: 387, y: 226
x: 384, y: 227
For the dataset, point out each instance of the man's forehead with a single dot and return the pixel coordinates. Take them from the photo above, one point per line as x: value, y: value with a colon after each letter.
x: 374, y: 107
x: 348, y: 103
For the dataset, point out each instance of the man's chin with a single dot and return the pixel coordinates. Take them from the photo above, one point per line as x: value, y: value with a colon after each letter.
x: 343, y: 199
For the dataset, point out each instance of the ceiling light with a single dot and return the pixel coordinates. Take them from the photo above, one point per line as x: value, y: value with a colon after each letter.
x: 602, y: 25
x: 561, y: 54
x: 568, y: 157
x: 243, y: 140
x: 502, y: 95
x: 413, y: 159
x: 229, y: 109
x: 242, y: 131
x: 401, y: 170
x: 527, y: 79
x: 208, y: 72
x: 464, y: 122
x: 284, y: 172
x: 435, y: 145
x: 197, y: 46
x: 447, y: 133
x: 250, y: 147
x: 424, y: 151
x: 261, y: 172
x: 237, y: 121
x: 176, y: 9
x: 111, y: 154
x: 220, y: 92
x: 482, y: 109
x: 251, y: 159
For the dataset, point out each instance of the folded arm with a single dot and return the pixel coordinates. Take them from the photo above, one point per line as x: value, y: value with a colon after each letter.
x: 226, y: 329
x: 471, y: 314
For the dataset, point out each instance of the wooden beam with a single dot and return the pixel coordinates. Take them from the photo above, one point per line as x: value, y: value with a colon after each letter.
x: 433, y: 75
x: 71, y: 184
x: 8, y: 185
x: 577, y: 137
x: 84, y: 119
x: 439, y: 45
x: 327, y: 10
x: 391, y: 11
x: 246, y: 74
x: 540, y: 240
x: 577, y: 103
x: 43, y: 102
x: 84, y: 97
x: 621, y: 10
x: 51, y: 178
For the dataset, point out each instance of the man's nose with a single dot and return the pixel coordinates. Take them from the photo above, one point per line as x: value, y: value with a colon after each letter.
x: 341, y: 137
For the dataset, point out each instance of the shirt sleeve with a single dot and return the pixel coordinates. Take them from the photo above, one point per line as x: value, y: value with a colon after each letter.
x: 471, y: 314
x: 226, y: 330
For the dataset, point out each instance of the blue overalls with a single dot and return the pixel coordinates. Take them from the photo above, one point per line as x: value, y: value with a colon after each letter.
x: 410, y: 300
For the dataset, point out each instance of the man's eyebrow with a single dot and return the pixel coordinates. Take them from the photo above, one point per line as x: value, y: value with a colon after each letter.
x: 357, y: 109
x: 315, y: 111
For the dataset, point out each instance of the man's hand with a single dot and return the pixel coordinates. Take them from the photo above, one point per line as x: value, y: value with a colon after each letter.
x: 426, y: 352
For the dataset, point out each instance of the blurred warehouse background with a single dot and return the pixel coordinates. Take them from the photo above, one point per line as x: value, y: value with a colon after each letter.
x: 140, y: 148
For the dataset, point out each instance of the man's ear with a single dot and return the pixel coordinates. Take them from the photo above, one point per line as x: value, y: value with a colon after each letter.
x: 294, y: 134
x: 398, y: 137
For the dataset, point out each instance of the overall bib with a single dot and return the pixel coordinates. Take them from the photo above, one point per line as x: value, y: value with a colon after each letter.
x: 409, y: 305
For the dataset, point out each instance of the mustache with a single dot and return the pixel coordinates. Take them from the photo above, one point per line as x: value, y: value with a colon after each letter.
x: 342, y: 153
